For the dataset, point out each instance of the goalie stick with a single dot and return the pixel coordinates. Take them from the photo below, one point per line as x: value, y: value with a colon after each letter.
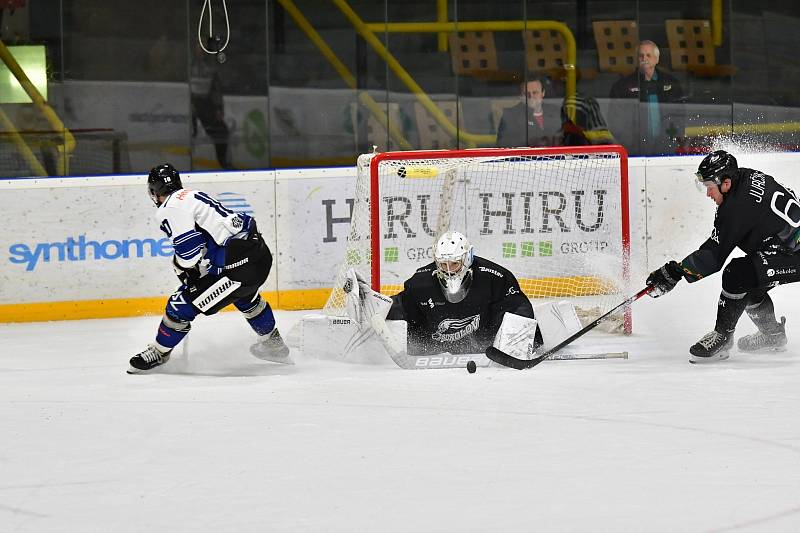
x: 415, y: 362
x: 499, y: 356
x: 448, y: 360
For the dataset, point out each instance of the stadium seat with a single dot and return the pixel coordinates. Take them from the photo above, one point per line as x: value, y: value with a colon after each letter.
x: 473, y: 53
x: 431, y: 135
x: 546, y: 53
x: 365, y: 124
x: 692, y: 49
x: 617, y: 45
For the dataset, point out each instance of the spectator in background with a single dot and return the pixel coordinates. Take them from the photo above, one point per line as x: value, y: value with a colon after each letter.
x: 530, y: 122
x: 207, y: 103
x: 658, y: 125
x: 584, y: 123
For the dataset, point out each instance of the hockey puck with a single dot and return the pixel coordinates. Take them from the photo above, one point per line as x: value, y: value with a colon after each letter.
x: 471, y: 367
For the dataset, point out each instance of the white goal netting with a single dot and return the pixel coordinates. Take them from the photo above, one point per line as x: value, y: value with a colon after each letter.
x: 556, y: 217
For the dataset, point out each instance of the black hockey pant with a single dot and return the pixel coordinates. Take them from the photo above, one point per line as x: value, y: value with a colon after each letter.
x: 247, y: 265
x: 746, y: 280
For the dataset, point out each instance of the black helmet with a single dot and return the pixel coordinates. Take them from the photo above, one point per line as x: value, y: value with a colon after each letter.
x: 163, y: 180
x: 717, y: 166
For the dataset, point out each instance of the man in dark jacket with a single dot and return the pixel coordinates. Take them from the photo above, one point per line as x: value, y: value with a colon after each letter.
x: 761, y: 217
x: 530, y: 122
x: 657, y: 124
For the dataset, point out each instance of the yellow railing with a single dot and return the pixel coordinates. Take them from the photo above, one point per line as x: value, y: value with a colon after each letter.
x: 727, y: 129
x: 363, y: 97
x: 22, y: 146
x: 441, y: 16
x: 367, y: 32
x: 716, y: 22
x: 65, y: 148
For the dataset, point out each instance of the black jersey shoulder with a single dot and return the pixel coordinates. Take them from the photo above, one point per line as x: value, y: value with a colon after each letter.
x: 482, y: 266
x: 427, y: 269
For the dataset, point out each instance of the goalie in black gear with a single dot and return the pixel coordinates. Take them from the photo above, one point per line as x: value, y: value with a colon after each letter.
x: 761, y: 217
x: 457, y: 303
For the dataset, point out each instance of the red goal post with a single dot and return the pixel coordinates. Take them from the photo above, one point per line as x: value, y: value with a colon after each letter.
x: 557, y: 217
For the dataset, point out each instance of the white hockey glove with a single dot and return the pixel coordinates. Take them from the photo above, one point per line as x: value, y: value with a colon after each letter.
x: 516, y: 336
x: 368, y: 310
x: 204, y: 266
x: 557, y: 321
x: 362, y: 303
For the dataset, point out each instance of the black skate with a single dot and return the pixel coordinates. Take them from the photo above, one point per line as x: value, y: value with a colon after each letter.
x: 712, y: 347
x: 270, y: 347
x: 147, y: 360
x: 764, y: 342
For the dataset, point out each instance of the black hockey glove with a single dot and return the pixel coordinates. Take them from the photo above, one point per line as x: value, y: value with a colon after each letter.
x: 664, y: 279
x: 187, y: 276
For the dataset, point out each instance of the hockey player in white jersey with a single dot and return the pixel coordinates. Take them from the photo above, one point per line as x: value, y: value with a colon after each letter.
x: 220, y: 259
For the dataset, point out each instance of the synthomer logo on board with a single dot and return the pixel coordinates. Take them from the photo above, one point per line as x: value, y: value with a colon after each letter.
x: 82, y: 249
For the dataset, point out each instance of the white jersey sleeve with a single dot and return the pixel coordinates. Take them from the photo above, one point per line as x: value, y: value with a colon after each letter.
x: 198, y: 224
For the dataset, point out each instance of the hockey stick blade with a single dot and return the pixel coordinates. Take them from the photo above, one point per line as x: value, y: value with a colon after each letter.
x: 585, y: 356
x: 499, y: 356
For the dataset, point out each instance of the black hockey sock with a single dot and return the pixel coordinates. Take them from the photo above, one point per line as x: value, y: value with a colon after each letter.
x: 729, y: 308
x: 763, y: 315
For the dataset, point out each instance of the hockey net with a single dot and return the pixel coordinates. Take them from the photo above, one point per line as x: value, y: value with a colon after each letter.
x: 556, y: 217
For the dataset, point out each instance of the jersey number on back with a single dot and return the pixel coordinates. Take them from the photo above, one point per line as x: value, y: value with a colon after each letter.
x: 786, y: 207
x: 166, y: 228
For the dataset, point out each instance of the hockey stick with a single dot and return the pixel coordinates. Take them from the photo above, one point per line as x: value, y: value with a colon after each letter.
x: 499, y: 356
x: 448, y: 360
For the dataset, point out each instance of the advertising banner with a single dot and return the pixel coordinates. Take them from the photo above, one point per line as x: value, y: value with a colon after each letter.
x: 95, y: 240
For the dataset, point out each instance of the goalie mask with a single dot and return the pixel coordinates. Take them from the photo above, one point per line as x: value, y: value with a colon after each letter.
x: 163, y: 180
x: 453, y: 255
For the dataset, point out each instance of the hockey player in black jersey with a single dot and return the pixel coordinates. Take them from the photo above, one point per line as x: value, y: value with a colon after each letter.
x: 761, y: 217
x: 456, y: 304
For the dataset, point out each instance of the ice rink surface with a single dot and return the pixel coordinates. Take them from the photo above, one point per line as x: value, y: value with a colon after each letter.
x: 225, y: 442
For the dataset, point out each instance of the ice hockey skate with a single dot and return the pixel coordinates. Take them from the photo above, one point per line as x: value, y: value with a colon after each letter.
x: 762, y: 341
x: 271, y: 348
x: 147, y: 360
x: 714, y: 346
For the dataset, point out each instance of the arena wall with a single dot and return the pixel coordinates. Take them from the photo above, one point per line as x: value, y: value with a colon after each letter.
x: 90, y: 247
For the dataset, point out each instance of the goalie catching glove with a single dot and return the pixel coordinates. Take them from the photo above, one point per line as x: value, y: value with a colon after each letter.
x: 664, y: 279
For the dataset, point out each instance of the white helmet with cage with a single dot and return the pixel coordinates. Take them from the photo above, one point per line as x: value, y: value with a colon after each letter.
x: 453, y: 255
